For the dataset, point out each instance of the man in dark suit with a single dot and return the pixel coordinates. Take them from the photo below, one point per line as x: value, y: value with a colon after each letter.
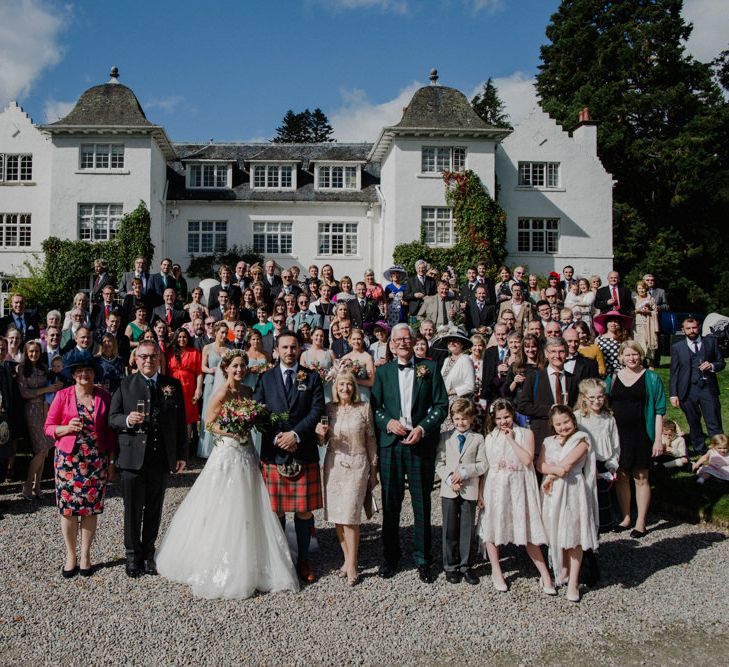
x: 341, y: 345
x: 226, y: 285
x: 362, y: 311
x: 20, y: 318
x: 495, y: 366
x: 271, y: 281
x: 288, y: 286
x: 289, y: 453
x: 218, y: 313
x: 102, y: 308
x: 468, y: 288
x: 168, y: 313
x: 418, y: 287
x: 693, y: 386
x: 479, y: 314
x: 483, y: 279
x: 543, y: 389
x: 580, y: 367
x: 102, y: 279
x: 409, y: 402
x: 114, y: 327
x: 140, y: 271
x: 151, y: 443
x: 241, y: 277
x: 614, y: 296
x: 159, y: 282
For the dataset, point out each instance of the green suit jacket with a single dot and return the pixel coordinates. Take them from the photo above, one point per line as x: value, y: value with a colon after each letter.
x: 429, y: 406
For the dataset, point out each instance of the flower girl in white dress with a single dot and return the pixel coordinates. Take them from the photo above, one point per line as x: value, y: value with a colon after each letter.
x: 509, y: 495
x: 224, y: 541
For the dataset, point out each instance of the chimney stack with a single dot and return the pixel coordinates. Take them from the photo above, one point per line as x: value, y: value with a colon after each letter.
x: 585, y: 132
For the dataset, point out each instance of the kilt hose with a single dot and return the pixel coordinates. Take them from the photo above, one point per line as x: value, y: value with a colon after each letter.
x: 398, y: 462
x: 300, y: 494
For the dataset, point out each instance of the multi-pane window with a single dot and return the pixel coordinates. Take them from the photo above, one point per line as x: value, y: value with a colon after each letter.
x: 207, y: 236
x: 539, y: 174
x: 98, y: 222
x: 435, y: 159
x: 15, y: 168
x: 102, y: 156
x: 437, y: 226
x: 214, y: 175
x: 538, y: 235
x: 273, y: 237
x: 338, y: 177
x: 338, y: 238
x: 14, y: 230
x: 272, y: 176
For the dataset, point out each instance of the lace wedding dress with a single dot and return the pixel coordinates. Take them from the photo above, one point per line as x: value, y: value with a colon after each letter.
x: 224, y: 541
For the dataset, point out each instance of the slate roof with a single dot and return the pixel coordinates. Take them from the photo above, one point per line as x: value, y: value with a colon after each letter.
x: 106, y: 105
x: 440, y: 107
x: 241, y: 153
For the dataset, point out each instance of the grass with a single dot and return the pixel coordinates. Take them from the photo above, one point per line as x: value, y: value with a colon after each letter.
x: 677, y: 492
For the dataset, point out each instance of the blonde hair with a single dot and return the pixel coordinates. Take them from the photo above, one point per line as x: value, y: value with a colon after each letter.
x: 463, y: 406
x: 718, y: 440
x: 347, y: 375
x: 631, y: 344
x: 588, y: 384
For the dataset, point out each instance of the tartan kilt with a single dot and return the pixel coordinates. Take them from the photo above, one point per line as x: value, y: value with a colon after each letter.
x: 302, y: 494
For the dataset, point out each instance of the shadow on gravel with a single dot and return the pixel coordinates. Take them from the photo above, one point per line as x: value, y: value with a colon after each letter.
x: 630, y: 563
x: 17, y: 506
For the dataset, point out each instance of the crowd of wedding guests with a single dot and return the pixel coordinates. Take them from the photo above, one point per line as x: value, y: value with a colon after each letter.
x: 548, y: 387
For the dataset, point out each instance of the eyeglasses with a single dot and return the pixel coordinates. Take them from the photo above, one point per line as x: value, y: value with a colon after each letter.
x: 277, y: 321
x: 399, y: 341
x: 145, y: 357
x: 209, y: 324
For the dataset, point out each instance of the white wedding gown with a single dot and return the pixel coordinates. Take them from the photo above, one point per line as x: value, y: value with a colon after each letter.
x: 224, y: 541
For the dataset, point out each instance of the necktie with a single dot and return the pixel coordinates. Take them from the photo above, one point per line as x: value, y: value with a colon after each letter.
x: 502, y: 354
x: 106, y: 311
x: 461, y: 442
x: 480, y: 305
x: 151, y: 384
x: 616, y: 302
x: 96, y: 283
x: 696, y: 347
x: 20, y: 324
x: 557, y: 388
x: 445, y: 312
x: 169, y: 316
x: 289, y: 383
x: 361, y: 304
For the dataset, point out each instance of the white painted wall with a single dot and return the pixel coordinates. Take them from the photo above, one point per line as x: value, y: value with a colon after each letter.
x: 583, y: 203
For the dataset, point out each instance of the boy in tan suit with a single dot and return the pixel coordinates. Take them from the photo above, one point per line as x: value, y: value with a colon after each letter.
x: 459, y: 462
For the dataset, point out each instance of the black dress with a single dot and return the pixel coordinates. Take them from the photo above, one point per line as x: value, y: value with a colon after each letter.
x: 628, y: 404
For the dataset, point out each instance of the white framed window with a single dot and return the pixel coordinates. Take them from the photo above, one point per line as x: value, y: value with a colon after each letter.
x: 538, y: 235
x: 207, y: 236
x: 101, y: 156
x: 212, y: 175
x: 273, y: 176
x: 437, y: 159
x: 98, y: 222
x: 338, y: 238
x: 15, y: 168
x: 273, y: 237
x: 337, y: 177
x: 539, y: 174
x: 14, y: 230
x: 437, y: 226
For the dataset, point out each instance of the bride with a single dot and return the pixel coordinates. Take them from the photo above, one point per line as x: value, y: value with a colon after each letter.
x: 224, y: 541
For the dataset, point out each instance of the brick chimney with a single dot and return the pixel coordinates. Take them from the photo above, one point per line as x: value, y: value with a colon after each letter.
x: 585, y: 132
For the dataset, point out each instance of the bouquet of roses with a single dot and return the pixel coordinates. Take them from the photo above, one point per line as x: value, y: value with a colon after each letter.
x: 324, y: 373
x: 258, y: 369
x: 238, y: 416
x: 354, y: 367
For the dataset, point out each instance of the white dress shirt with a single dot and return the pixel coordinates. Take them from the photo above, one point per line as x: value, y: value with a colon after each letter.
x: 406, y: 379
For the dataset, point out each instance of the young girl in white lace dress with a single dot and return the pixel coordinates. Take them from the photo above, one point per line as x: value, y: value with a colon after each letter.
x: 509, y: 495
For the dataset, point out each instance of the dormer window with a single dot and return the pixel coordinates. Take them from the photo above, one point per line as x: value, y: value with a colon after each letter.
x: 209, y: 175
x: 437, y: 159
x: 103, y: 157
x: 337, y: 177
x: 273, y: 177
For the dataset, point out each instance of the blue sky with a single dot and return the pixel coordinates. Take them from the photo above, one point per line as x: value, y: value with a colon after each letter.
x: 229, y: 70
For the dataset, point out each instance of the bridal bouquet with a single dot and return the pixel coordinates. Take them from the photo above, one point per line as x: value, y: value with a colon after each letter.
x: 354, y: 367
x: 238, y: 416
x: 324, y: 373
x: 259, y: 369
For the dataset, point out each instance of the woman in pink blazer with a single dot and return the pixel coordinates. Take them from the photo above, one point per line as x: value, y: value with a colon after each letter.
x: 78, y: 420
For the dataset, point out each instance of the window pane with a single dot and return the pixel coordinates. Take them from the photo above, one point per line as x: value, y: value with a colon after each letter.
x: 259, y: 176
x: 337, y: 177
x: 117, y: 156
x: 350, y: 178
x: 427, y: 160
x: 273, y: 177
x: 553, y: 174
x: 286, y: 177
x: 459, y: 159
x: 442, y: 159
x: 102, y: 156
x: 12, y: 170
x: 221, y: 176
x: 195, y: 176
x: 323, y: 177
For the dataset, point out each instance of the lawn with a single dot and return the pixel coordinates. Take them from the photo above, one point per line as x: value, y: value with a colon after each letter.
x: 678, y: 493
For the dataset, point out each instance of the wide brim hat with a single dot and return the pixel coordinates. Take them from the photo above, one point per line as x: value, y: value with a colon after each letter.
x: 80, y: 361
x: 600, y: 321
x: 381, y: 324
x: 445, y: 335
x: 395, y: 267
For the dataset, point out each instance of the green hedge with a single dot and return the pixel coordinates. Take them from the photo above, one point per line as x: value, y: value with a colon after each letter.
x: 206, y: 266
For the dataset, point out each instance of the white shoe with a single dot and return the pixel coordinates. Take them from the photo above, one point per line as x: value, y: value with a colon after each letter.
x: 573, y: 597
x: 548, y: 590
x: 500, y: 586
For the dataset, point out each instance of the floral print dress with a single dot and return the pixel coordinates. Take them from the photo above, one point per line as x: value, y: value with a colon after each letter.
x: 81, y: 475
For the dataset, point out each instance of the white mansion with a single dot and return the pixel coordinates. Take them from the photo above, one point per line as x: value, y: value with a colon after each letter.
x: 344, y: 204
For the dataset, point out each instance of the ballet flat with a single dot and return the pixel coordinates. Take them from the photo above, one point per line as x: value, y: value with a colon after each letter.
x: 499, y: 586
x: 547, y: 590
x: 573, y: 598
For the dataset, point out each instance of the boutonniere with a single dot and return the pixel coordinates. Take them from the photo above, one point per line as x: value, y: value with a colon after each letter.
x: 301, y: 377
x: 168, y: 391
x: 422, y: 372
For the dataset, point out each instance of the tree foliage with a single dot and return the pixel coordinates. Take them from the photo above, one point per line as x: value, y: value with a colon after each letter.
x: 664, y: 133
x: 306, y: 127
x: 206, y: 266
x: 489, y: 106
x: 479, y: 223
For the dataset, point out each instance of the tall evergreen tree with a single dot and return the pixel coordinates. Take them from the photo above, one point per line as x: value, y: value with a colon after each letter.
x: 489, y: 106
x: 321, y: 130
x: 663, y: 133
x: 306, y: 127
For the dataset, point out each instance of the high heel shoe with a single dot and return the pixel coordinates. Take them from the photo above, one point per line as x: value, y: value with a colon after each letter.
x: 500, y: 586
x: 547, y: 590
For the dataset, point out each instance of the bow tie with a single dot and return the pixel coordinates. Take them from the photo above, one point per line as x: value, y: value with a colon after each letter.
x: 402, y: 367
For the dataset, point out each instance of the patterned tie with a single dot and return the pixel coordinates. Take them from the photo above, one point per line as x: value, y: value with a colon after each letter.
x: 616, y: 301
x: 461, y: 442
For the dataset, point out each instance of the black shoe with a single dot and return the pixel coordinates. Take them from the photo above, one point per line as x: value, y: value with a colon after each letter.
x: 453, y: 577
x: 86, y: 571
x: 638, y: 534
x: 69, y: 574
x: 620, y: 529
x: 470, y: 578
x: 150, y: 567
x: 387, y: 570
x: 133, y: 570
x: 424, y: 574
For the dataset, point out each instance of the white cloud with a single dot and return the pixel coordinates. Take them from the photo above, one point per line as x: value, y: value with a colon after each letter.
x: 54, y: 110
x: 29, y: 43
x: 711, y: 27
x: 393, y: 6
x: 517, y: 92
x: 358, y: 119
x: 166, y: 104
x: 488, y: 6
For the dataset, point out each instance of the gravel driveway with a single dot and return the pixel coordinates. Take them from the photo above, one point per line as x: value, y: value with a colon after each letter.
x: 663, y: 600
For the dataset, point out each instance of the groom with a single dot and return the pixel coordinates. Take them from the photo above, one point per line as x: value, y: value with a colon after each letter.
x: 410, y: 402
x: 289, y: 454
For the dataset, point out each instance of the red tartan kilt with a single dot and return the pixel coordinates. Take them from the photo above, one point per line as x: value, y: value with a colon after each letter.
x: 302, y: 494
